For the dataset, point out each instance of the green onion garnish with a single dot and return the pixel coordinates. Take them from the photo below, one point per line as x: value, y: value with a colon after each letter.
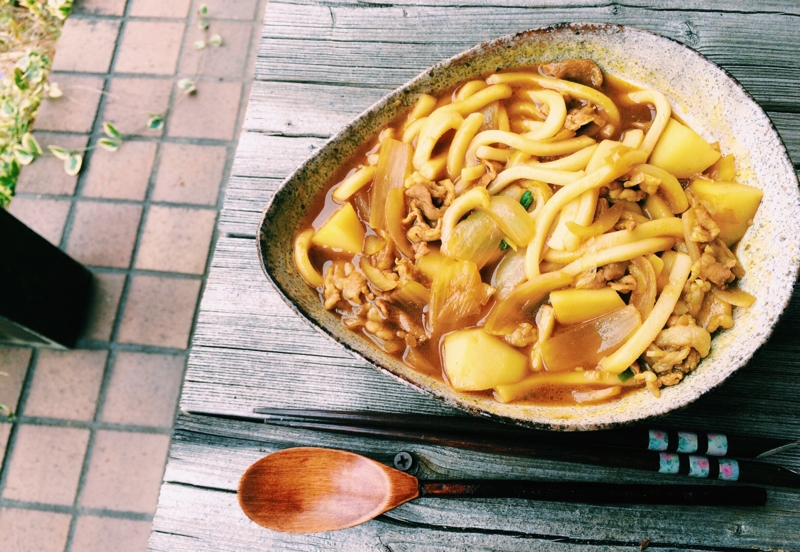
x: 527, y: 199
x: 626, y: 375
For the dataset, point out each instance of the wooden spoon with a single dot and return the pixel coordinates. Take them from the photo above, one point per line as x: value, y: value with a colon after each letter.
x: 309, y: 490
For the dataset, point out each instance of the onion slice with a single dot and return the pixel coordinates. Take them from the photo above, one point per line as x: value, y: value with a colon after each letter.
x: 504, y: 315
x: 622, y: 358
x: 512, y: 218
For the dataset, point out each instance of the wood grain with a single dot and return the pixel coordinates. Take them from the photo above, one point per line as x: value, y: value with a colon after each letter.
x: 321, y: 44
x: 318, y: 66
x: 207, y: 454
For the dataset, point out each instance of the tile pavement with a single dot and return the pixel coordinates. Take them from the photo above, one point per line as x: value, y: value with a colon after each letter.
x: 82, y: 461
x: 47, y: 175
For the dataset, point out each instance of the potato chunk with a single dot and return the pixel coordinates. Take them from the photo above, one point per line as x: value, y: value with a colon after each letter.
x: 682, y: 152
x: 573, y: 306
x: 475, y: 360
x: 342, y: 231
x: 730, y: 204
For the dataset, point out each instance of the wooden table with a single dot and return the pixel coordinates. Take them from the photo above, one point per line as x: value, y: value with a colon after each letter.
x: 319, y: 65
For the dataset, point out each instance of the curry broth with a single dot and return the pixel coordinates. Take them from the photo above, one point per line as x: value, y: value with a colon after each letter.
x: 427, y: 357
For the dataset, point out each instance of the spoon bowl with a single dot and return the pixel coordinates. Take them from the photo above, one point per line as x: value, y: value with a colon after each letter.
x: 308, y: 490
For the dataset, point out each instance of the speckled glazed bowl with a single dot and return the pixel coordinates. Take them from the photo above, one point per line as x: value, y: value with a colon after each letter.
x: 702, y: 94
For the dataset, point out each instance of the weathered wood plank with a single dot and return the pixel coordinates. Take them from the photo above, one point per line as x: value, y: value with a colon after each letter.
x: 264, y: 155
x: 788, y: 126
x: 333, y: 381
x: 434, y: 24
x: 714, y: 6
x: 245, y: 199
x: 205, y: 468
x: 244, y: 327
x: 215, y: 384
x: 354, y: 63
x: 338, y: 45
x: 295, y: 109
x: 772, y: 86
x: 177, y: 528
x: 209, y: 455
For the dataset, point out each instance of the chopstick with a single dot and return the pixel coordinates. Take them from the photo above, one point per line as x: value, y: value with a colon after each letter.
x: 689, y: 442
x: 705, y: 467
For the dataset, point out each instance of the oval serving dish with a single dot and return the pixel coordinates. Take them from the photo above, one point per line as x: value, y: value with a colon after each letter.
x: 701, y: 93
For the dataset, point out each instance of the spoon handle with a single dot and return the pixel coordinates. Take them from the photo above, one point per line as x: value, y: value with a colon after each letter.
x: 598, y: 493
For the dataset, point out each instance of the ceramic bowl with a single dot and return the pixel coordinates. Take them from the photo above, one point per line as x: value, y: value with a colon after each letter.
x: 703, y: 95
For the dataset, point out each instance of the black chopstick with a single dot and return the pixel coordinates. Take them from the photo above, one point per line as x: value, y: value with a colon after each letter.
x: 688, y: 442
x: 704, y: 467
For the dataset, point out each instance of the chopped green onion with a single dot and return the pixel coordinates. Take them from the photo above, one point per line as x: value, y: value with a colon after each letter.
x: 503, y: 245
x: 527, y: 199
x: 626, y: 375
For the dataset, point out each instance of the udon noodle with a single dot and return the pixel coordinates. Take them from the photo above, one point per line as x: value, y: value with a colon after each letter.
x: 545, y: 235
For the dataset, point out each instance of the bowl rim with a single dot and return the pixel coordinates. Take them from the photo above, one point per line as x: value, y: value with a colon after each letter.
x: 577, y: 28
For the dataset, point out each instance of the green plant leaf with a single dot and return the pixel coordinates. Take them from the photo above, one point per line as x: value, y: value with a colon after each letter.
x: 72, y: 165
x: 187, y: 85
x: 9, y: 169
x: 59, y: 152
x: 54, y: 91
x: 19, y: 79
x: 59, y: 8
x: 203, y: 10
x: 24, y: 62
x: 200, y: 44
x: 30, y: 144
x: 202, y: 24
x: 155, y: 122
x: 34, y: 74
x: 111, y: 131
x: 109, y: 144
x: 23, y: 156
x: 216, y: 40
x: 7, y: 412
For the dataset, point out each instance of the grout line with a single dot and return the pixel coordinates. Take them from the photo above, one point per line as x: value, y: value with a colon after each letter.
x: 231, y: 147
x: 123, y: 201
x: 27, y: 382
x: 93, y: 426
x: 97, y: 345
x: 87, y: 156
x: 145, y: 272
x: 111, y: 356
x: 146, y: 202
x: 83, y: 475
x: 146, y: 138
x: 97, y: 424
x: 146, y: 76
x: 151, y: 18
x: 74, y: 511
